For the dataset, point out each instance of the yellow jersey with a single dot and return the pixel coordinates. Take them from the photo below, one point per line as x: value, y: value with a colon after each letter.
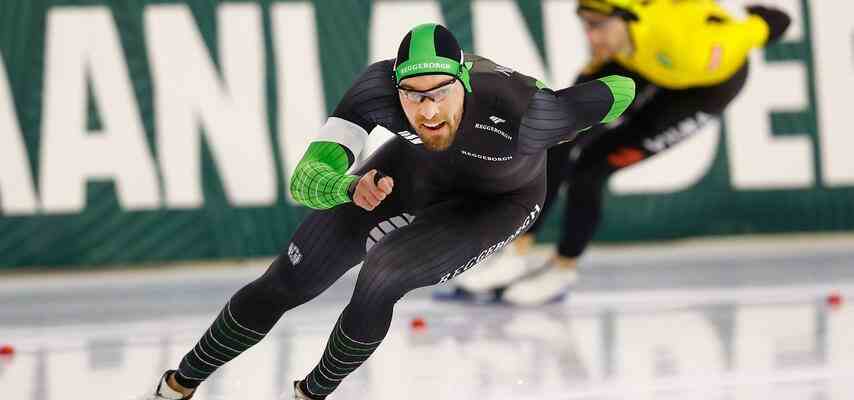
x: 690, y: 43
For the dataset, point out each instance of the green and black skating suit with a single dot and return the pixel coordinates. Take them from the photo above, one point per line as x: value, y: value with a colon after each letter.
x: 448, y: 211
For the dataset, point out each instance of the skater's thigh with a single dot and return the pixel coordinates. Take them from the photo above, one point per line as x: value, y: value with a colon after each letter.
x: 447, y: 239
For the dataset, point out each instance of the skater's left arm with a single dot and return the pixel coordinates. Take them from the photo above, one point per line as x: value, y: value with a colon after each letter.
x: 555, y: 117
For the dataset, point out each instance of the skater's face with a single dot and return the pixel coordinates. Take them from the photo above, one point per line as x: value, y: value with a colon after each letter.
x: 606, y: 35
x: 434, y: 107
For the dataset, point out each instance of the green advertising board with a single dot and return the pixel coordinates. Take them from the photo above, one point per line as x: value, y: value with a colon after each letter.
x: 137, y: 131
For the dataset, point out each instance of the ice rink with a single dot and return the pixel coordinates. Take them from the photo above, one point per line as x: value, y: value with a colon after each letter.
x: 713, y: 320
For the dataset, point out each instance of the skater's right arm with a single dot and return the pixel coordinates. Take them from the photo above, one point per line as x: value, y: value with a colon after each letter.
x: 320, y: 180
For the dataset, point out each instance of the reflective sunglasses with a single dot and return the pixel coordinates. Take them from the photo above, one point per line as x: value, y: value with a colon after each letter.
x: 435, y: 94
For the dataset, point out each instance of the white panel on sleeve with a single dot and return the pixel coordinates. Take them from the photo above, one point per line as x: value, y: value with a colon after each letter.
x: 344, y: 132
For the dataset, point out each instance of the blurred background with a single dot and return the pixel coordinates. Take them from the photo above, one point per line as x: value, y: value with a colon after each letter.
x: 145, y: 152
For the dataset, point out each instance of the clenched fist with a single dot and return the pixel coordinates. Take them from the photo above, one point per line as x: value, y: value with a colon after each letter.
x: 371, y: 189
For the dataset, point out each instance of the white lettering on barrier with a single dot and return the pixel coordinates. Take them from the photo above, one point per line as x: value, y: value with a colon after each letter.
x: 82, y: 49
x: 17, y: 192
x: 191, y: 95
x: 757, y: 158
x: 119, y: 152
x: 833, y: 50
x: 565, y: 43
x: 500, y: 33
x: 301, y: 101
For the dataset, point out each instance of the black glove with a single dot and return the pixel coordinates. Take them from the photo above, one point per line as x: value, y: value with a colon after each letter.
x: 777, y: 20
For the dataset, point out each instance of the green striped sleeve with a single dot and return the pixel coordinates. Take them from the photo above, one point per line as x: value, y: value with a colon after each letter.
x: 623, y: 90
x: 320, y: 180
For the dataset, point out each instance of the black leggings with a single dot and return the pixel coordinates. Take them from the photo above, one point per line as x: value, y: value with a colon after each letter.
x: 658, y: 119
x: 402, y: 248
